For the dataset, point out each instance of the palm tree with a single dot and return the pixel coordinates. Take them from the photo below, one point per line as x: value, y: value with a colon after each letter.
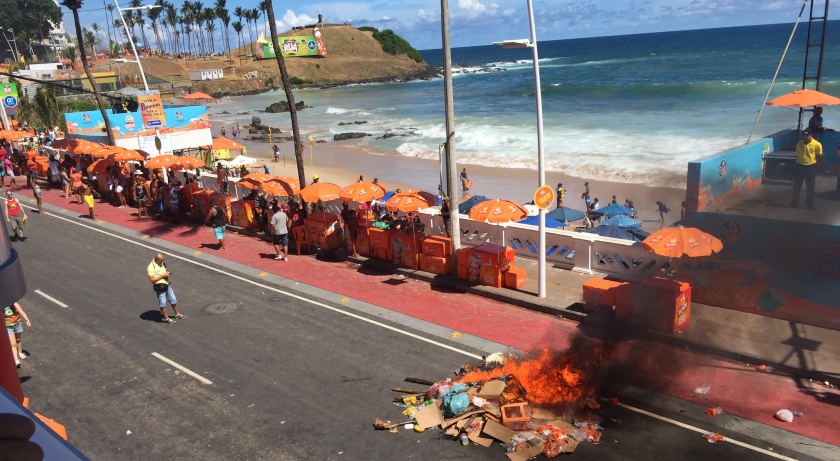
x: 290, y: 98
x: 91, y: 39
x: 224, y: 18
x: 109, y: 9
x: 154, y: 15
x: 263, y: 8
x: 255, y: 15
x: 251, y: 17
x: 74, y: 5
x: 240, y: 13
x: 237, y: 27
x: 210, y: 26
x: 96, y: 29
x: 172, y: 19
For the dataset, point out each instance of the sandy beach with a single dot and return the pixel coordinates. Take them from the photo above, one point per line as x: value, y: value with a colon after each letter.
x: 341, y: 163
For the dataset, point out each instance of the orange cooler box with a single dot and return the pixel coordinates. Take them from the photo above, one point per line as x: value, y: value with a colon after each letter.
x: 201, y: 201
x: 363, y: 244
x: 405, y: 250
x: 499, y: 256
x: 380, y: 238
x: 220, y: 200
x: 242, y: 212
x: 437, y: 246
x: 436, y: 265
x: 462, y: 272
x: 659, y: 304
x: 600, y: 291
x: 515, y: 277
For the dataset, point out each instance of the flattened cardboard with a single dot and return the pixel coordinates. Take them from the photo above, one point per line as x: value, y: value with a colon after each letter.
x: 477, y: 438
x: 492, y: 390
x: 497, y: 431
x: 454, y: 420
x: 430, y: 415
x: 452, y: 431
x: 561, y: 424
x: 524, y: 455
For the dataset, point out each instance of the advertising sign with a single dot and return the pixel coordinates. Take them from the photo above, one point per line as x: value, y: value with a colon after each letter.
x: 9, y: 95
x: 151, y: 109
x: 300, y: 45
x: 544, y: 197
x: 176, y: 120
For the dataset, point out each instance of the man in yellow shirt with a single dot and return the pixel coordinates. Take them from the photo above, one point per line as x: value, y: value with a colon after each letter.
x: 159, y: 276
x: 808, y: 154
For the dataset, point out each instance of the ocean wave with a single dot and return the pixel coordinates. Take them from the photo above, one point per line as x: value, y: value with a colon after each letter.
x: 336, y: 110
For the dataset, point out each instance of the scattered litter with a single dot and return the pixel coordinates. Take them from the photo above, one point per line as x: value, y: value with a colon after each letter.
x: 455, y: 335
x: 703, y: 390
x: 761, y: 367
x: 251, y: 405
x: 712, y: 412
x: 784, y: 415
x: 613, y: 401
x: 408, y: 426
x: 127, y: 432
x: 797, y: 414
x: 711, y: 437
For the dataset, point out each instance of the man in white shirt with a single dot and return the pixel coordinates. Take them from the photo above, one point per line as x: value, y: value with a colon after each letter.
x: 280, y: 234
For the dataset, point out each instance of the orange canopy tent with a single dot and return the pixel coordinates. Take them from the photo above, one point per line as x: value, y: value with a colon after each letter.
x: 496, y: 211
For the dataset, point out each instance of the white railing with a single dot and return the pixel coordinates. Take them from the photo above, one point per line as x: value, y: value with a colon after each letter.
x: 586, y: 253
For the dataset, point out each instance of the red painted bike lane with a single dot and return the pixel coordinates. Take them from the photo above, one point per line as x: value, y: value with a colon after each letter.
x: 735, y: 387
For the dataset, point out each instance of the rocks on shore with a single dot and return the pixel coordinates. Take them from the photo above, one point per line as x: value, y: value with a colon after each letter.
x: 350, y: 135
x: 283, y: 106
x: 258, y: 128
x: 352, y: 123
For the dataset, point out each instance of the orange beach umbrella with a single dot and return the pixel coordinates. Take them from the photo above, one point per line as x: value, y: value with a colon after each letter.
x: 253, y: 181
x: 198, y: 95
x: 320, y: 191
x: 362, y: 192
x: 675, y: 242
x: 408, y: 201
x: 161, y: 161
x: 186, y: 163
x: 127, y: 156
x: 496, y: 211
x: 277, y: 188
x: 804, y: 98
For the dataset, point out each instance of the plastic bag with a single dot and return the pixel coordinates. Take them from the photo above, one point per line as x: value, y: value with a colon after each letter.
x: 711, y: 437
x: 784, y: 415
x: 703, y: 390
x: 455, y: 402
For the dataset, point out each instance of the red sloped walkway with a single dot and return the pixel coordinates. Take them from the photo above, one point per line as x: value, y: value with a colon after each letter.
x: 737, y: 388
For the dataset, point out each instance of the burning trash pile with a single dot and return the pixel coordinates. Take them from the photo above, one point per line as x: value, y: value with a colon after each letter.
x: 513, y: 403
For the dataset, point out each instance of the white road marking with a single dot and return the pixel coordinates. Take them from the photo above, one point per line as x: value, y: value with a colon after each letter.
x: 703, y: 431
x: 52, y: 299
x: 276, y: 290
x: 184, y: 369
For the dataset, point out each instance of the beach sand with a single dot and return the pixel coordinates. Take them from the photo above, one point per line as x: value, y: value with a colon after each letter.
x: 342, y: 162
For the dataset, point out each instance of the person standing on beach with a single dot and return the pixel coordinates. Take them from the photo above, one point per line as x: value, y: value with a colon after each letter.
x: 662, y: 209
x: 276, y: 153
x: 217, y: 218
x: 561, y: 194
x: 159, y: 276
x: 14, y: 327
x: 223, y: 131
x: 585, y: 195
x: 280, y: 233
x: 16, y: 215
x: 315, y: 179
x: 464, y: 180
x: 808, y: 154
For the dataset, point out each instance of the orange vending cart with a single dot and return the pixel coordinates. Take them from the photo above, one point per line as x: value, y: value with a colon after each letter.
x: 324, y: 230
x: 242, y: 214
x: 659, y: 304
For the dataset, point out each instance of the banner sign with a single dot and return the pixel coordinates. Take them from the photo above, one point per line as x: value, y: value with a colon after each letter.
x: 300, y: 45
x: 9, y: 95
x: 175, y: 120
x: 151, y: 109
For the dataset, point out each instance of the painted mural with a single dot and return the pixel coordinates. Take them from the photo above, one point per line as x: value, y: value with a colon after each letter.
x: 130, y: 124
x: 716, y: 178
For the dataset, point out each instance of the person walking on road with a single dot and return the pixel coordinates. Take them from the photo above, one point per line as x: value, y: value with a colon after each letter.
x: 217, y: 218
x: 87, y: 196
x: 36, y: 191
x: 159, y: 276
x: 14, y: 326
x: 280, y: 234
x: 16, y: 215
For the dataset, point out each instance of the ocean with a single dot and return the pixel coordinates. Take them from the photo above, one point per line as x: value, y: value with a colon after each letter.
x: 634, y: 108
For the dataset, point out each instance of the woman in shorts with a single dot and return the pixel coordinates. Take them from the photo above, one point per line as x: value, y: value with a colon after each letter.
x: 14, y: 326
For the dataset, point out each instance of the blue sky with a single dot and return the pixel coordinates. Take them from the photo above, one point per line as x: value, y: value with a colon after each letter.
x: 480, y: 22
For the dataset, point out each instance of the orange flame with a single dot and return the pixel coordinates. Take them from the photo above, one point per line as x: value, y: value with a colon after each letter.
x: 551, y: 378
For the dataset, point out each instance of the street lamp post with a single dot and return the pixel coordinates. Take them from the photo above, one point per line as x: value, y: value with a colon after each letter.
x: 532, y: 44
x: 10, y: 44
x: 14, y: 40
x: 131, y: 39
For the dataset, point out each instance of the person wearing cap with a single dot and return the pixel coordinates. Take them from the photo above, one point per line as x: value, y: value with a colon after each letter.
x: 815, y: 124
x: 808, y: 154
x: 315, y: 179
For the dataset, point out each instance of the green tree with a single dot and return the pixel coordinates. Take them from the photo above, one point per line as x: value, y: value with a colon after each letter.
x: 29, y: 16
x: 393, y: 43
x: 237, y: 27
x: 74, y: 6
x: 47, y: 110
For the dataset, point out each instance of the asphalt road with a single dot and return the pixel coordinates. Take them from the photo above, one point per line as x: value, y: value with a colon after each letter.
x: 291, y: 380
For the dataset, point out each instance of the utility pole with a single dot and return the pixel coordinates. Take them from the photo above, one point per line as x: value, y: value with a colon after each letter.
x: 451, y: 165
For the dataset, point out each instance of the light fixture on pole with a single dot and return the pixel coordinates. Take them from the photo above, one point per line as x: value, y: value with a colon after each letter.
x: 10, y: 44
x: 532, y: 44
x: 14, y: 40
x: 131, y: 39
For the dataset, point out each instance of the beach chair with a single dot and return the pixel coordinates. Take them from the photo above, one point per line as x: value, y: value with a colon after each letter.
x: 301, y: 240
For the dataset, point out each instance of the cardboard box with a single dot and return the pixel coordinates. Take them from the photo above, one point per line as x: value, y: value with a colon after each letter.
x: 515, y: 277
x: 437, y: 246
x: 436, y: 265
x: 600, y: 291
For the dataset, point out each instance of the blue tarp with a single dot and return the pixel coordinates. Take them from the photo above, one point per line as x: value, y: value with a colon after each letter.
x: 565, y: 215
x: 535, y: 221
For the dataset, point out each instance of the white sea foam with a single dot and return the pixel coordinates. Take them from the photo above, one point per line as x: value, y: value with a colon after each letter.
x: 336, y: 110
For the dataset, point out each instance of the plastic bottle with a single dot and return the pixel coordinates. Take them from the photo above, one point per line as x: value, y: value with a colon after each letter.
x: 464, y: 439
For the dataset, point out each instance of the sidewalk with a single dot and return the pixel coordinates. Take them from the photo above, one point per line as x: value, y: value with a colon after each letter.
x: 721, y: 348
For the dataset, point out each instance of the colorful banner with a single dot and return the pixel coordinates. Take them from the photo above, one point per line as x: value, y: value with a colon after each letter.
x: 300, y: 45
x: 177, y: 119
x: 151, y: 109
x: 9, y: 95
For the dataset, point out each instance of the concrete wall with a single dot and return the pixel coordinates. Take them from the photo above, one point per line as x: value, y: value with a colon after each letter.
x: 715, y: 178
